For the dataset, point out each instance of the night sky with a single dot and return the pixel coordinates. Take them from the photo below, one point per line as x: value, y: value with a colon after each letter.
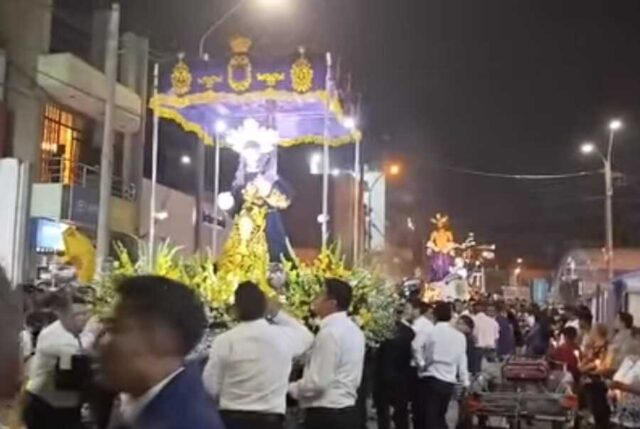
x: 509, y: 86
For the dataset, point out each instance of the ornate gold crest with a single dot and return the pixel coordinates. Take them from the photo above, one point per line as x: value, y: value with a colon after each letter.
x: 301, y: 74
x: 271, y: 79
x: 240, y: 65
x: 181, y: 78
x: 210, y: 81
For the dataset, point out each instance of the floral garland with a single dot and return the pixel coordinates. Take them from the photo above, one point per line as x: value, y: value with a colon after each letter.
x: 374, y: 299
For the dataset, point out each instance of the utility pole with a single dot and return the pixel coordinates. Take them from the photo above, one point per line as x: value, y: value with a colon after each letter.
x: 608, y: 206
x: 106, y: 158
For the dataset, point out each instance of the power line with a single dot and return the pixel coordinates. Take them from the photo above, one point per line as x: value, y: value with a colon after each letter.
x: 495, y: 175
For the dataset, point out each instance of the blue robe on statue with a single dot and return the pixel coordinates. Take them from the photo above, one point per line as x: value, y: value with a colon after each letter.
x: 277, y: 239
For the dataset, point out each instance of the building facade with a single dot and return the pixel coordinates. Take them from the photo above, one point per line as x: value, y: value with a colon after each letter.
x: 52, y: 99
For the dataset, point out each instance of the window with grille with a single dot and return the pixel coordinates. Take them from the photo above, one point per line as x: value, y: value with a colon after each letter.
x: 63, y: 135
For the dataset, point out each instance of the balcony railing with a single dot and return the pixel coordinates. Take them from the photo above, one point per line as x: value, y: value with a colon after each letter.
x: 66, y: 171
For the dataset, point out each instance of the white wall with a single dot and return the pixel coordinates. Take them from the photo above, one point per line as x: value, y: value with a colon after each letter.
x: 377, y: 198
x: 178, y: 227
x: 13, y: 217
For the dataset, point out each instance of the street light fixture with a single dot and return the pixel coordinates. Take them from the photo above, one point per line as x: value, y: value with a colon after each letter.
x: 395, y: 169
x: 228, y: 14
x: 607, y: 160
x: 221, y: 126
x: 185, y: 160
x: 587, y: 148
x: 615, y: 125
x: 350, y: 123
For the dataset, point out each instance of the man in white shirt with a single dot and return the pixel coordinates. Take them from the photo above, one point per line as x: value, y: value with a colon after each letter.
x: 47, y: 406
x: 445, y: 365
x: 487, y: 330
x: 249, y: 366
x: 422, y: 325
x: 333, y: 372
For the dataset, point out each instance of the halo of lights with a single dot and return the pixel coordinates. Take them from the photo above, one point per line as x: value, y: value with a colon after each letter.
x: 251, y: 131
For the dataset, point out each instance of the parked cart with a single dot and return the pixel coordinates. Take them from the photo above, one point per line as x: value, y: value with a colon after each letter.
x: 522, y: 390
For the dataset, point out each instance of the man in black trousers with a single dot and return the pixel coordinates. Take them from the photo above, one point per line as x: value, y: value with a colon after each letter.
x: 328, y: 388
x: 445, y: 365
x: 394, y: 374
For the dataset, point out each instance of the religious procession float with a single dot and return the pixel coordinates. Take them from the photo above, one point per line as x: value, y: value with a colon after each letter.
x: 266, y: 106
x: 454, y: 270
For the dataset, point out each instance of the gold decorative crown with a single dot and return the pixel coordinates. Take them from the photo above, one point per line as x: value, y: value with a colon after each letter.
x: 240, y: 44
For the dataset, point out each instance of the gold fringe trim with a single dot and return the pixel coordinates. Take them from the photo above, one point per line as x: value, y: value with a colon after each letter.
x: 163, y: 105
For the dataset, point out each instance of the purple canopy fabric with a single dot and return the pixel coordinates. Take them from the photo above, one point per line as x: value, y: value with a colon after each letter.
x: 288, y: 94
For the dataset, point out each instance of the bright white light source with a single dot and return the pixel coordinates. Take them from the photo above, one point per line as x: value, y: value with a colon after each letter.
x: 221, y: 126
x: 226, y: 201
x: 615, y: 124
x: 587, y: 148
x: 335, y: 172
x: 277, y: 4
x: 185, y: 160
x: 519, y: 260
x: 315, y: 163
x: 161, y: 215
x: 322, y: 218
x: 350, y: 123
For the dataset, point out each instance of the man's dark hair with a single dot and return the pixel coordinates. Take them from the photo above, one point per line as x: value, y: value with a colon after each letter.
x: 442, y: 312
x: 251, y: 304
x: 570, y: 333
x: 167, y: 302
x: 340, y: 291
x: 468, y: 321
x: 422, y: 307
x: 626, y: 319
x: 586, y: 317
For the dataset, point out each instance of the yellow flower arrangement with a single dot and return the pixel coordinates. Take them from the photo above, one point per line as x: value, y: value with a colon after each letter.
x: 374, y: 299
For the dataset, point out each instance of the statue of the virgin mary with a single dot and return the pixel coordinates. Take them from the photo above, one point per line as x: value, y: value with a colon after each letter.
x: 258, y: 195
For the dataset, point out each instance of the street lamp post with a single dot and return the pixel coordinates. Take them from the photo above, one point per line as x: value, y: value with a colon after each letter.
x: 215, y: 25
x: 614, y: 126
x: 228, y: 14
x: 607, y: 161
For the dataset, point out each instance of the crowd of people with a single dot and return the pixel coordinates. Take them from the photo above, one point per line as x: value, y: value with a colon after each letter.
x: 135, y: 368
x: 603, y: 362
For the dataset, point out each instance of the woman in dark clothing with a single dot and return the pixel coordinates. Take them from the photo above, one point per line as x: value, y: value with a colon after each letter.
x: 540, y: 335
x: 517, y: 332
